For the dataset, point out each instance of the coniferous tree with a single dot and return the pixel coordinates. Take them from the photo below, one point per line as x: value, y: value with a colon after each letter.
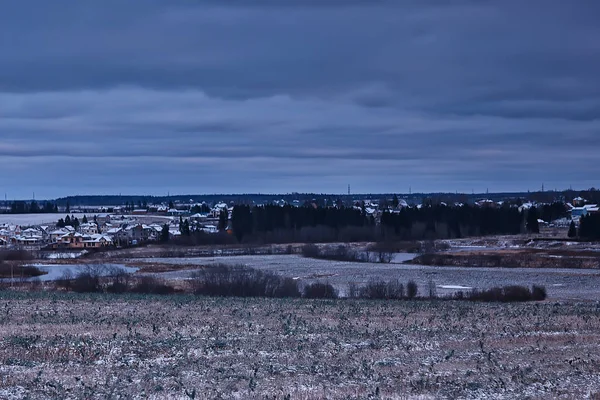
x: 533, y: 225
x: 164, y: 233
x: 34, y: 208
x: 84, y: 220
x: 223, y: 220
x: 572, y: 230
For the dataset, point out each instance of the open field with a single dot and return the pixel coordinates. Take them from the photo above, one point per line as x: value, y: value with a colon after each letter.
x: 97, y: 346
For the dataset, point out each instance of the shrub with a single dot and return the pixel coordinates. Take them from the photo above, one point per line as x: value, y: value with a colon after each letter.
x: 16, y: 255
x: 118, y: 280
x: 287, y: 287
x: 17, y: 271
x: 383, y: 251
x: 320, y: 291
x: 338, y: 253
x: 86, y: 282
x: 241, y: 281
x: 311, y: 250
x: 538, y: 293
x: 506, y: 294
x: 411, y: 290
x: 151, y: 285
x: 65, y: 281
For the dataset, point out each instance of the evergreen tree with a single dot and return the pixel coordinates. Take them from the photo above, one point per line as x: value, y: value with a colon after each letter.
x: 533, y: 225
x: 164, y: 233
x: 84, y: 220
x: 395, y: 201
x: 68, y: 209
x: 572, y: 230
x: 184, y: 227
x: 68, y: 221
x: 223, y: 220
x: 34, y: 208
x: 60, y: 223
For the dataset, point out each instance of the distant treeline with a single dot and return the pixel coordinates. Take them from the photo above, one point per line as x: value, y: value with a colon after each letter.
x: 592, y: 195
x: 32, y: 207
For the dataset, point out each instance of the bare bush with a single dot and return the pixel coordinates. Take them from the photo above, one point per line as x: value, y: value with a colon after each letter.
x: 320, y: 291
x: 240, y: 281
x: 411, y: 290
x: 512, y: 293
x: 16, y: 255
x: 118, y: 280
x: 152, y: 285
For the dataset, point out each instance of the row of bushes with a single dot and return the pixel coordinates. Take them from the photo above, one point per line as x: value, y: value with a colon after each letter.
x: 346, y: 253
x: 8, y: 270
x: 16, y: 255
x: 114, y: 280
x: 241, y: 281
x: 392, y: 290
x: 504, y: 294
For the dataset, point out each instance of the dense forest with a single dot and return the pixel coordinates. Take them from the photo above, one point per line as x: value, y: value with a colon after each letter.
x: 273, y: 224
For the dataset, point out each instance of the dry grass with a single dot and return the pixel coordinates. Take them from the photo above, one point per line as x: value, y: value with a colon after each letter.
x: 98, y: 346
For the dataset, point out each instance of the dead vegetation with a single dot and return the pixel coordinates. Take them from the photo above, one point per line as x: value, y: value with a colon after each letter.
x: 523, y: 258
x: 70, y: 346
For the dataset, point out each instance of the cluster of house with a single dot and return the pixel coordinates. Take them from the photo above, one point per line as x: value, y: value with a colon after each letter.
x: 103, y: 232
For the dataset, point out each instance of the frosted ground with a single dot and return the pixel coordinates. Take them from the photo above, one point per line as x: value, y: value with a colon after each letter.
x: 580, y: 284
x: 62, y: 346
x: 31, y: 219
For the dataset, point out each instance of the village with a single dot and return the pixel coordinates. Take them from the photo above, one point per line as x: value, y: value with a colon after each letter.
x: 116, y: 229
x: 88, y: 228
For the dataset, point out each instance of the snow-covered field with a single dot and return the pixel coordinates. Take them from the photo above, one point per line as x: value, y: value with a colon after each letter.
x: 32, y: 219
x: 64, y: 346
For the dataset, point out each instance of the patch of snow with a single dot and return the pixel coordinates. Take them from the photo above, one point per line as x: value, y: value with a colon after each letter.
x: 455, y: 287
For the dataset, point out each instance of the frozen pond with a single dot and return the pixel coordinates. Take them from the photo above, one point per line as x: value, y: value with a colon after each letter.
x: 56, y: 271
x: 583, y: 284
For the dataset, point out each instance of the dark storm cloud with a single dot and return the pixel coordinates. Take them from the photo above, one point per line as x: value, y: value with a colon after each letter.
x: 298, y: 95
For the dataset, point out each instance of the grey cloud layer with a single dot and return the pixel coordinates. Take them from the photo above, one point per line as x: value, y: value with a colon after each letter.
x: 273, y: 96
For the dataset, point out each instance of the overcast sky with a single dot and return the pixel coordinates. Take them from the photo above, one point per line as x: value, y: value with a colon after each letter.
x: 150, y: 97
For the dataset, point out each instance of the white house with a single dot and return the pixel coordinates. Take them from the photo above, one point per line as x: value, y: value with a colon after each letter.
x: 89, y: 228
x: 97, y: 241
